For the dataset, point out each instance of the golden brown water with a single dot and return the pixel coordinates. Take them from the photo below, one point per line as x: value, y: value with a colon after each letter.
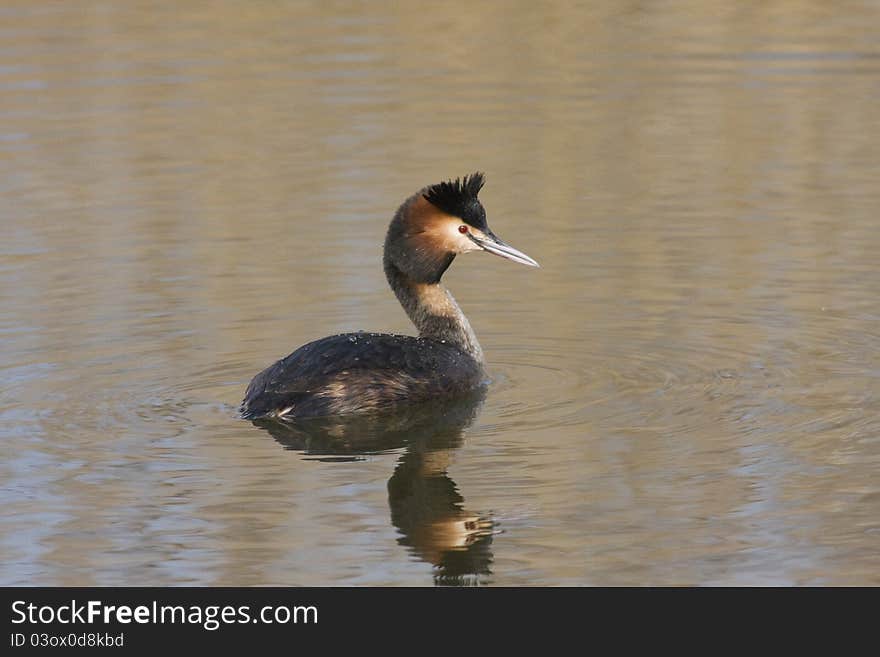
x: 688, y: 391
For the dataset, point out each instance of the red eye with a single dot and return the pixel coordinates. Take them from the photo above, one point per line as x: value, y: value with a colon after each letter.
x: 462, y: 229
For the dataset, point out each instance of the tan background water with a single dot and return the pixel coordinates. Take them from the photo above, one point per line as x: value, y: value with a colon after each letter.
x: 688, y: 391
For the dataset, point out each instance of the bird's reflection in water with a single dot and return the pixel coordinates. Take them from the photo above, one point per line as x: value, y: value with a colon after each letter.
x: 426, y: 506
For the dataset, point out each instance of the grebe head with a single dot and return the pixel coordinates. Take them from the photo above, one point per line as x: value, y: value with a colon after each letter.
x: 438, y: 223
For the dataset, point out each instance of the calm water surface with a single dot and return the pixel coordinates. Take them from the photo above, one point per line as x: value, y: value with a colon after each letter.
x: 688, y: 391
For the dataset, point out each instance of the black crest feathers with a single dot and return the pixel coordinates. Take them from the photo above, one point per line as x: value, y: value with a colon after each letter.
x: 459, y: 198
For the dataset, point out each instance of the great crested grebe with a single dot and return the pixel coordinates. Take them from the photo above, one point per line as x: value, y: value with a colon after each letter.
x: 371, y: 372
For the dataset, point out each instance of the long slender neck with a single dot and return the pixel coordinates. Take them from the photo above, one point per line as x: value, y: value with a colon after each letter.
x: 435, y: 313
